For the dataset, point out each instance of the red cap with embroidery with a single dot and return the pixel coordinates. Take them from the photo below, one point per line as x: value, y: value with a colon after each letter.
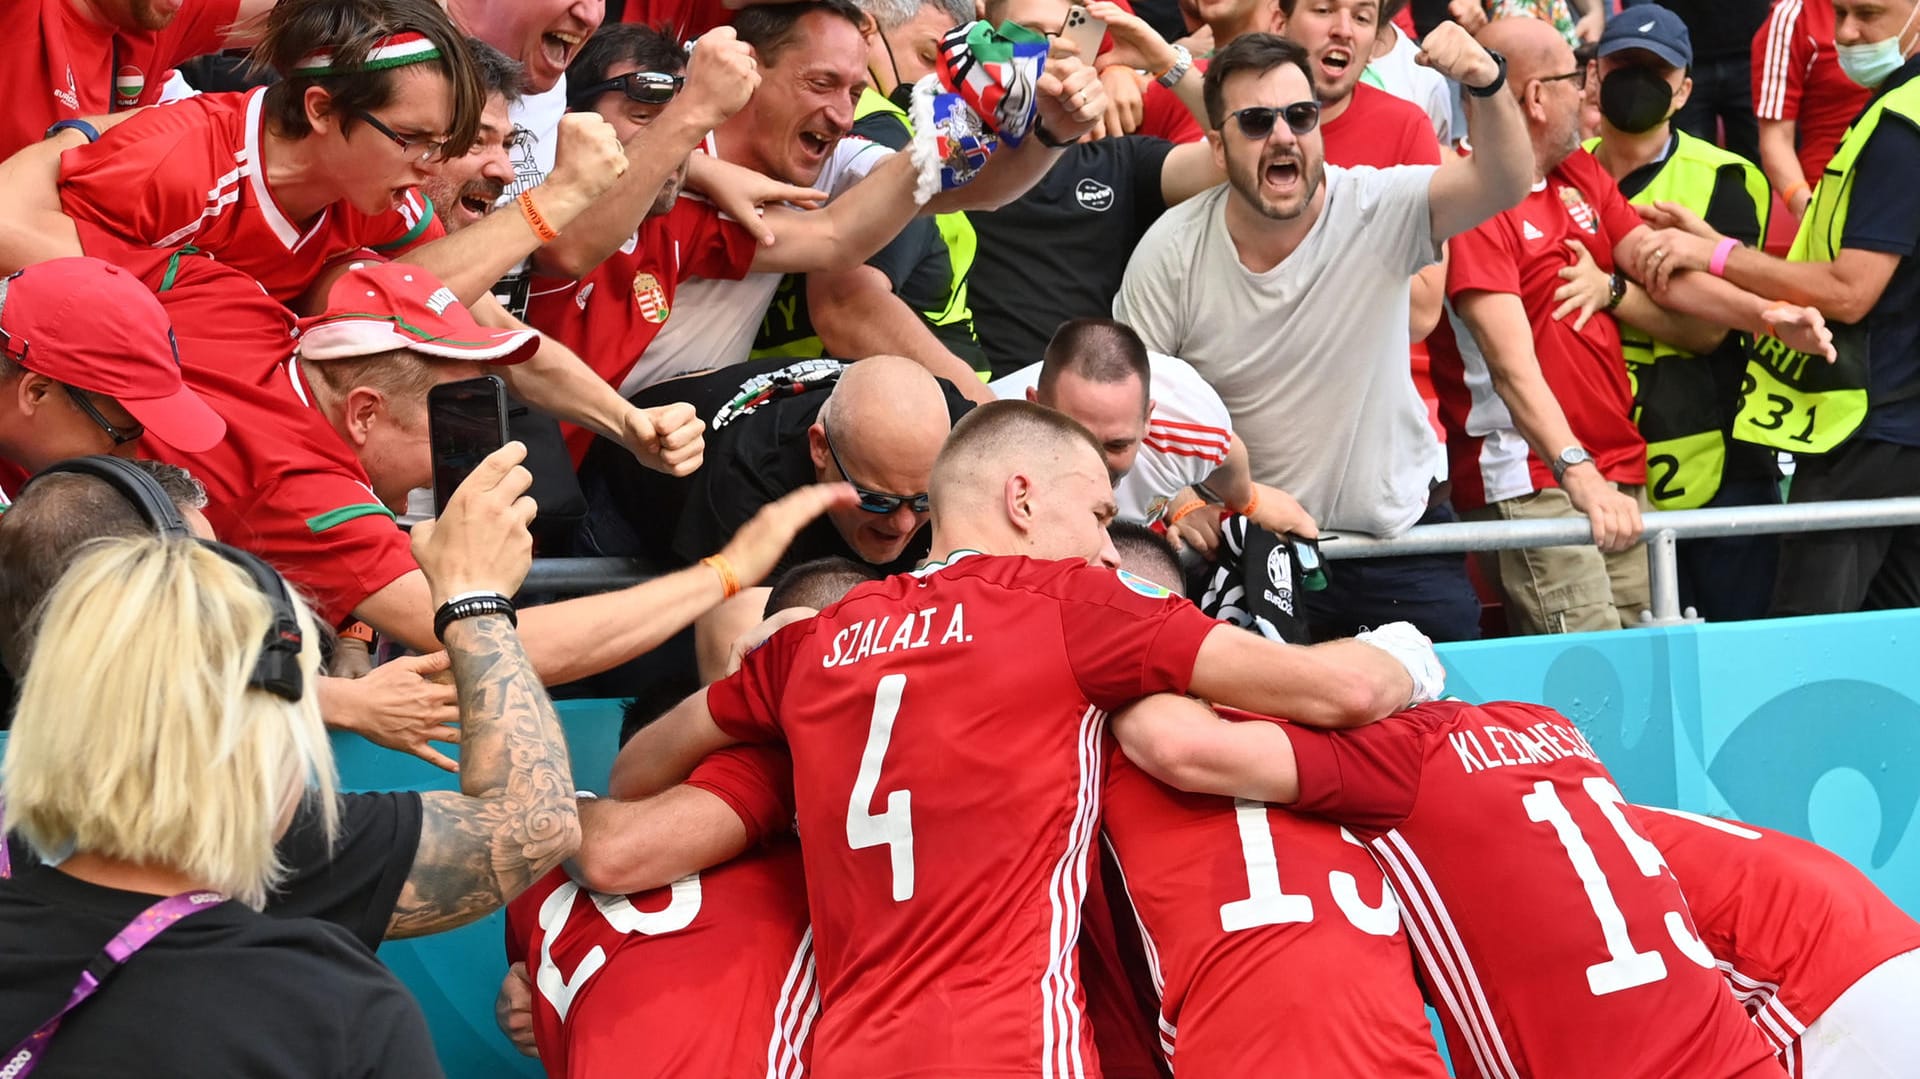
x: 382, y: 306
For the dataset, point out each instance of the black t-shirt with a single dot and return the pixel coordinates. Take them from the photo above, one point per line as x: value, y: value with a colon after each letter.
x: 753, y: 457
x: 356, y: 885
x: 1059, y: 251
x: 227, y: 992
x: 1718, y: 29
x: 1884, y: 216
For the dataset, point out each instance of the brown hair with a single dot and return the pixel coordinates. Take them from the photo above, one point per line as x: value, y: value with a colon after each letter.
x: 1098, y: 350
x: 349, y: 29
x: 1254, y: 54
x: 770, y: 28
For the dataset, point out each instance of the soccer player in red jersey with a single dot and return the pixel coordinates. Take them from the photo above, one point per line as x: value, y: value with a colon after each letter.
x: 1234, y: 899
x: 947, y: 730
x: 1550, y: 933
x: 710, y: 974
x: 1825, y: 963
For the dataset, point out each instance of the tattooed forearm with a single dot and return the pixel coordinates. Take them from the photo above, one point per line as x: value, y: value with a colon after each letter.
x: 515, y: 818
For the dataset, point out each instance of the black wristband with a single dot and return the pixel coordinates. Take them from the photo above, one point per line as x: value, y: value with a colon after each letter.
x: 1499, y: 82
x: 469, y: 605
x: 92, y: 133
x: 1046, y: 137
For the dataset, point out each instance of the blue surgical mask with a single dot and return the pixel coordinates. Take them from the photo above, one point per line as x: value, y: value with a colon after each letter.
x: 1871, y: 64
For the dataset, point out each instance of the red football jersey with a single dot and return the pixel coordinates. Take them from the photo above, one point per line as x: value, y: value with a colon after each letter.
x: 1522, y: 252
x: 190, y: 173
x: 947, y: 733
x: 1236, y: 902
x: 610, y: 316
x: 1792, y: 924
x: 1114, y: 975
x: 1553, y: 937
x: 709, y: 976
x: 63, y: 65
x: 1797, y: 77
x: 282, y: 484
x: 1380, y: 130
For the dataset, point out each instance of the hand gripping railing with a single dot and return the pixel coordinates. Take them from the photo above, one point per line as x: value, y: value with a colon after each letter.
x: 1664, y: 529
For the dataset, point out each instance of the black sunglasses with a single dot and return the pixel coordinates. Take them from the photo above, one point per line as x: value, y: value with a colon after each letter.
x: 645, y: 87
x: 1257, y: 122
x: 120, y: 435
x: 1578, y: 75
x: 428, y: 150
x: 875, y: 501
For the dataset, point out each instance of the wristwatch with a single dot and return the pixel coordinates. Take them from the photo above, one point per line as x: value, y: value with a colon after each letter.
x: 1616, y: 290
x: 1499, y: 82
x: 1572, y: 455
x: 1182, y: 63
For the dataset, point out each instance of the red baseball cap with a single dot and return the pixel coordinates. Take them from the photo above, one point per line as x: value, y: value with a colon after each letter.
x: 382, y: 306
x: 96, y: 327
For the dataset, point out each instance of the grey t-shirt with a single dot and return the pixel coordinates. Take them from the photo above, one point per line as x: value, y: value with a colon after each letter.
x: 1311, y: 356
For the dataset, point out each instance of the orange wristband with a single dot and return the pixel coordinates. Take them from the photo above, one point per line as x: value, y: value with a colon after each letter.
x: 357, y: 631
x: 729, y: 582
x: 1252, y: 504
x: 1185, y: 511
x: 1794, y: 189
x: 535, y: 219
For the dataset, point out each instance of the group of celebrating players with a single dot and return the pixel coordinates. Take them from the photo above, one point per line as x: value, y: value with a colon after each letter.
x: 982, y: 820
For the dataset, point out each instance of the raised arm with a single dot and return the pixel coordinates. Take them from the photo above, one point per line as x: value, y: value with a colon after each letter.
x: 1466, y: 191
x: 514, y: 818
x: 1072, y: 99
x: 1181, y: 742
x: 33, y: 228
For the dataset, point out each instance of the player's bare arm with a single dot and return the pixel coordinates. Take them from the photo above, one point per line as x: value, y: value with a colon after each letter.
x: 1186, y: 745
x: 649, y: 843
x: 1337, y: 684
x: 666, y: 750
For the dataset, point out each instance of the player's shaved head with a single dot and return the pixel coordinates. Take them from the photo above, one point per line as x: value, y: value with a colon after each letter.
x: 1018, y: 478
x: 818, y: 584
x: 1146, y: 553
x: 880, y: 431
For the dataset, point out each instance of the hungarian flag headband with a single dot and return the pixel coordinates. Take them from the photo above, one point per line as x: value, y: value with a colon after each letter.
x: 983, y: 93
x: 394, y: 50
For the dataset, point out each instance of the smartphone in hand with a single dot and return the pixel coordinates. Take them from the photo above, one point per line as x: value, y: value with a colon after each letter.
x: 1085, y: 31
x: 466, y: 421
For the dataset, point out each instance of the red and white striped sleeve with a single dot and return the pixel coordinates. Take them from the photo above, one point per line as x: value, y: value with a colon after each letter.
x: 1782, y: 54
x: 1190, y: 422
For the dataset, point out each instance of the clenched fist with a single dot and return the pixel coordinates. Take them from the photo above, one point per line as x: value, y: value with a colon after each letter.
x: 721, y: 76
x: 1451, y: 51
x: 588, y: 157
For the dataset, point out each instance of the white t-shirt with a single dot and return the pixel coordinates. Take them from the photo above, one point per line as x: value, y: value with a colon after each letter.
x: 1397, y: 74
x: 713, y: 323
x: 1310, y: 356
x: 539, y: 116
x: 1187, y: 440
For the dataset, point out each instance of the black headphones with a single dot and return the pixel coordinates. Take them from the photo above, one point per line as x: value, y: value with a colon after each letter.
x: 278, y: 669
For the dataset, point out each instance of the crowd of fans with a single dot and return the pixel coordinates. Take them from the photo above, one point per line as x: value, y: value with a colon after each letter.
x: 1296, y: 269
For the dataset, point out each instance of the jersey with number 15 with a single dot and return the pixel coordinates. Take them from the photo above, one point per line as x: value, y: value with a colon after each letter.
x: 947, y: 731
x: 1553, y: 936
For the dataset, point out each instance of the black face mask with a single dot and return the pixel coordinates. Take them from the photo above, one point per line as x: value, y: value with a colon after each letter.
x: 1635, y: 99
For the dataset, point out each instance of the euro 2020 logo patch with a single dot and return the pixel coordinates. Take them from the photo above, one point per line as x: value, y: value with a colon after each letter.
x: 1142, y: 585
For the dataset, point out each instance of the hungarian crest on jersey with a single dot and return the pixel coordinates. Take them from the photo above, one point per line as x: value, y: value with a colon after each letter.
x: 650, y: 297
x: 1580, y: 210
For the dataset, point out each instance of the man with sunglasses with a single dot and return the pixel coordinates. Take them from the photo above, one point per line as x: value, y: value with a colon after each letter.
x: 88, y: 365
x: 1290, y: 290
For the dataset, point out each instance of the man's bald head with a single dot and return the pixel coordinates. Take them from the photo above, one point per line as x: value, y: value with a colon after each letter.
x: 1018, y: 478
x: 1539, y: 69
x: 880, y: 430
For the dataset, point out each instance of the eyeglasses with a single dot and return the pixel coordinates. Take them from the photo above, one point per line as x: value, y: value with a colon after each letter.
x: 645, y: 87
x: 426, y: 150
x: 1257, y: 122
x: 120, y: 435
x: 1578, y: 75
x: 875, y: 501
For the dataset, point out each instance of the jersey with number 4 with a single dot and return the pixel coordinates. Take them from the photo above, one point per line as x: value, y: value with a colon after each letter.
x: 1270, y: 937
x: 709, y: 976
x: 1792, y: 924
x: 1552, y: 935
x: 947, y: 730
